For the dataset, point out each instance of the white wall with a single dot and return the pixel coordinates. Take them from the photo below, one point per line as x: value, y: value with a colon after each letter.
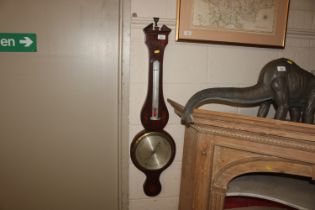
x: 189, y: 67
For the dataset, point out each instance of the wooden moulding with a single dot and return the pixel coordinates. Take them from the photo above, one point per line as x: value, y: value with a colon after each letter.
x: 221, y: 146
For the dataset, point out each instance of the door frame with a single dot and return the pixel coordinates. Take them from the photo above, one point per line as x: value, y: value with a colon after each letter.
x: 123, y: 103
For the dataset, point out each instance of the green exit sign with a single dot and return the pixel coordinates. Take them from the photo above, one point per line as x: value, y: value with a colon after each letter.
x: 18, y: 42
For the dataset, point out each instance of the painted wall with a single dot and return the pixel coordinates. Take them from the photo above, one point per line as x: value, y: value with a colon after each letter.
x: 189, y: 67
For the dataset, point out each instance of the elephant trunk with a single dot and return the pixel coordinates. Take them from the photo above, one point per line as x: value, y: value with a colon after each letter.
x: 243, y: 96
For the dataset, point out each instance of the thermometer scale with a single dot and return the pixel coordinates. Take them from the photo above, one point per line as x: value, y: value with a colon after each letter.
x: 155, y: 91
x: 153, y: 149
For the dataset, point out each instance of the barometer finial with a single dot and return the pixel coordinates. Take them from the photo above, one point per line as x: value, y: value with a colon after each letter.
x: 156, y: 20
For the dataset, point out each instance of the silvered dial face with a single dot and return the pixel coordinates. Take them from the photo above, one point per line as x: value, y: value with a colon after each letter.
x: 153, y: 151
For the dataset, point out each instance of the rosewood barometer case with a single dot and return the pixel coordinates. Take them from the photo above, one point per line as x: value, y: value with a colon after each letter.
x: 153, y: 149
x: 154, y: 114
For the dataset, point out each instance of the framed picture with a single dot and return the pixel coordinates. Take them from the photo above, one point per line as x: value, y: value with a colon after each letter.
x: 241, y: 22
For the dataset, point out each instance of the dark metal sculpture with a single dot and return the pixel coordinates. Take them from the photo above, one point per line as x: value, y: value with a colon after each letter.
x: 281, y: 82
x: 295, y: 111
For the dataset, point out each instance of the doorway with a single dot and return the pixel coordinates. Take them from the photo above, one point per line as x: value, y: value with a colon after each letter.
x: 60, y: 106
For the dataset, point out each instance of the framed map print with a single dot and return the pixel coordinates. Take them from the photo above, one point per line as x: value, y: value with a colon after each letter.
x: 243, y: 22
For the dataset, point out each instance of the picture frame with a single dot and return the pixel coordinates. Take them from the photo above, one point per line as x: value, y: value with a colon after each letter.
x: 237, y: 22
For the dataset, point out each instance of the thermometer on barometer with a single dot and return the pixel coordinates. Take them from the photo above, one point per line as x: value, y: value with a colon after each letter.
x: 155, y: 91
x: 154, y: 113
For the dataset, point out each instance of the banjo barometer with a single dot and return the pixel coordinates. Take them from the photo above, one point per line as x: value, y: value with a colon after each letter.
x: 153, y: 149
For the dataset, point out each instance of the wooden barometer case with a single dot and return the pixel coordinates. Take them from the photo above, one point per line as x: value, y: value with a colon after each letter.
x: 153, y: 149
x: 154, y: 114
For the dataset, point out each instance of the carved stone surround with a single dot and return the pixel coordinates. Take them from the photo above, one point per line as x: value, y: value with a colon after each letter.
x: 219, y: 147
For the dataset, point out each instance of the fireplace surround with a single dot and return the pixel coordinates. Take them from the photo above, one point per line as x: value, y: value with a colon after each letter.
x: 219, y: 147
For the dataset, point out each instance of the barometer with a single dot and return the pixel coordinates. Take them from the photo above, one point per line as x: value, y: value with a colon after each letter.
x: 153, y: 149
x: 152, y: 152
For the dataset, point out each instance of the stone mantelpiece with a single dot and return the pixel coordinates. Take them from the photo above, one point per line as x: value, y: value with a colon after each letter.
x: 220, y: 146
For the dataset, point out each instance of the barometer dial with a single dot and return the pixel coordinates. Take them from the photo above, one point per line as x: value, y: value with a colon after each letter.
x: 151, y: 153
x: 153, y: 150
